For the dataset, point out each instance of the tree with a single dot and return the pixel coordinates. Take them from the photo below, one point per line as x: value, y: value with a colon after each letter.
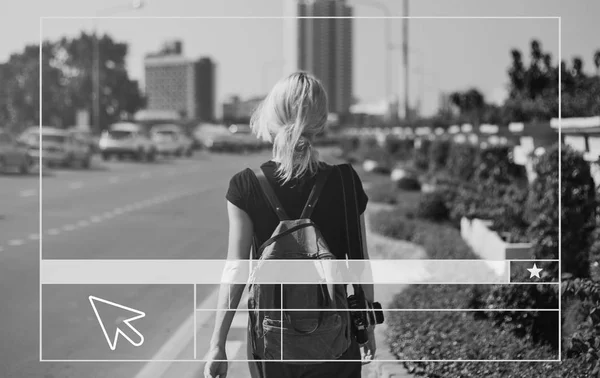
x: 118, y: 93
x: 66, y: 83
x: 533, y: 90
x: 597, y: 62
x: 471, y: 105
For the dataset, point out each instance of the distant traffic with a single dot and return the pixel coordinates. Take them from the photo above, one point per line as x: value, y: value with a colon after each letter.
x: 76, y: 147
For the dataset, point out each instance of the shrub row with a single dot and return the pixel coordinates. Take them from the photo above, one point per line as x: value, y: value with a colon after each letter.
x: 450, y: 335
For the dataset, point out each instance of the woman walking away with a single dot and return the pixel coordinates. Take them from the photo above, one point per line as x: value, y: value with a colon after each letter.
x: 297, y: 207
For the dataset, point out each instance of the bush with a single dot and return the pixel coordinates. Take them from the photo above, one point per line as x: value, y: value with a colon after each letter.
x: 399, y: 149
x: 432, y: 206
x: 578, y: 211
x: 440, y: 241
x: 438, y: 154
x: 581, y: 320
x: 421, y: 154
x: 409, y: 184
x: 494, y: 167
x: 461, y: 160
x: 458, y: 335
x: 384, y: 192
x: 508, y: 214
x: 541, y: 326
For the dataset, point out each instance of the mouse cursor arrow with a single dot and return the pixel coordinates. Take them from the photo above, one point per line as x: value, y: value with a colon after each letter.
x: 121, y: 325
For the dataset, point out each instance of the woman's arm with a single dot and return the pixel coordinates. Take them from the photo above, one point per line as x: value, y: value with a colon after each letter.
x: 367, y: 288
x: 238, y: 252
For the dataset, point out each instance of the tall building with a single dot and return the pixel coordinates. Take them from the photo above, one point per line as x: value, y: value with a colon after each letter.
x: 177, y: 83
x: 205, y: 89
x: 322, y: 46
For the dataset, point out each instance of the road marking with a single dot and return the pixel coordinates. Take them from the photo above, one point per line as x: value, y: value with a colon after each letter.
x: 178, y: 342
x: 16, y: 242
x: 76, y: 185
x: 69, y: 227
x: 96, y: 219
x: 28, y: 193
x: 83, y: 223
x: 145, y: 174
x: 53, y: 231
x: 118, y: 211
x: 107, y: 215
x: 34, y: 237
x: 114, y: 179
x: 1, y: 249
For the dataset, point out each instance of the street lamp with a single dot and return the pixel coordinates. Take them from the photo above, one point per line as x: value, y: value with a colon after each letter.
x: 96, y: 95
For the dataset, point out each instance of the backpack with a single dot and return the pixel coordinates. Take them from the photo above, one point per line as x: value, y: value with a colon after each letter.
x: 319, y: 326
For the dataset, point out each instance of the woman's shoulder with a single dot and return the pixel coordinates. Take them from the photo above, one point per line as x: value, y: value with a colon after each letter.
x: 242, y: 178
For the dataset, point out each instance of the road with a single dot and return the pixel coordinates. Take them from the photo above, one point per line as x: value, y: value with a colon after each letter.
x: 171, y: 209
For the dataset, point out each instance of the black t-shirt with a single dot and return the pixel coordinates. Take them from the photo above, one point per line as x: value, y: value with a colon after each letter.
x: 328, y: 214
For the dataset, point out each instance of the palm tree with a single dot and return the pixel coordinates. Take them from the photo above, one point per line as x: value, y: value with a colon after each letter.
x: 597, y: 62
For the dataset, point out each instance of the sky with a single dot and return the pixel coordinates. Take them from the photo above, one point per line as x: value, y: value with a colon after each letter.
x: 446, y: 54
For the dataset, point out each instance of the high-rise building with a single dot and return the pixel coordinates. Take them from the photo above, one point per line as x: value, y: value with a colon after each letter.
x: 322, y: 46
x: 177, y: 83
x: 205, y: 89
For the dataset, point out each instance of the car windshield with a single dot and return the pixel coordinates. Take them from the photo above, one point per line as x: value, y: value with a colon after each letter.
x: 119, y: 134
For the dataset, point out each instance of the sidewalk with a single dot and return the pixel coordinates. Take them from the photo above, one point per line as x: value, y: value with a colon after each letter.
x: 381, y: 247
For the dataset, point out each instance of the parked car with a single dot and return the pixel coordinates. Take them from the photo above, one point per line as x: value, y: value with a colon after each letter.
x: 127, y: 139
x: 14, y: 154
x: 86, y: 137
x: 171, y: 140
x: 59, y: 147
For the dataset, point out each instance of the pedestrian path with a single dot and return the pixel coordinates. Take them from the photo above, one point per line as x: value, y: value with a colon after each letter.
x: 382, y: 247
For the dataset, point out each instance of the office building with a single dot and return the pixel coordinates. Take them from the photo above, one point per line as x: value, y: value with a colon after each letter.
x: 322, y: 46
x: 177, y: 83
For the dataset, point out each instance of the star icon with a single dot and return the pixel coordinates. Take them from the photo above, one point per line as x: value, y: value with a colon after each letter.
x: 535, y: 271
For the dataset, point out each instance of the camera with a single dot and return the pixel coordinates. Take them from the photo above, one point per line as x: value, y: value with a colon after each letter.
x: 362, y: 317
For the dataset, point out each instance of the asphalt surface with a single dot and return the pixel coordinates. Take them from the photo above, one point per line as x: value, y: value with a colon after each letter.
x: 170, y: 209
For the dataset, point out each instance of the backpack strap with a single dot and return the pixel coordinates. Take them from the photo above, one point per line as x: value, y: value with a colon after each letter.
x: 315, y: 192
x: 269, y: 193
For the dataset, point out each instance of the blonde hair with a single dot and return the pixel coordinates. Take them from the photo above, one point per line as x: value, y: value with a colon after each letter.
x: 291, y: 115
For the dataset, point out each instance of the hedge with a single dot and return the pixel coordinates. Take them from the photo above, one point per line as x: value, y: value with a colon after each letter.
x: 421, y: 154
x: 438, y: 154
x: 461, y: 160
x: 578, y: 209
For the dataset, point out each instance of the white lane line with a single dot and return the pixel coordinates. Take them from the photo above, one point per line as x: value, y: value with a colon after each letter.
x: 145, y: 174
x: 95, y: 219
x: 69, y: 227
x: 53, y: 231
x: 180, y: 340
x: 1, y: 248
x: 16, y: 242
x: 34, y: 237
x: 118, y: 211
x: 82, y: 223
x: 76, y: 185
x: 114, y: 179
x: 107, y: 215
x: 28, y: 193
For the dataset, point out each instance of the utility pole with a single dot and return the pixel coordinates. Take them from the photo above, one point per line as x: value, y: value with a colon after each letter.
x: 405, y: 59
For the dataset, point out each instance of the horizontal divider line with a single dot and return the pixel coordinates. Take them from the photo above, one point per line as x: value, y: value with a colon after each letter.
x: 246, y: 361
x: 303, y: 283
x: 388, y: 310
